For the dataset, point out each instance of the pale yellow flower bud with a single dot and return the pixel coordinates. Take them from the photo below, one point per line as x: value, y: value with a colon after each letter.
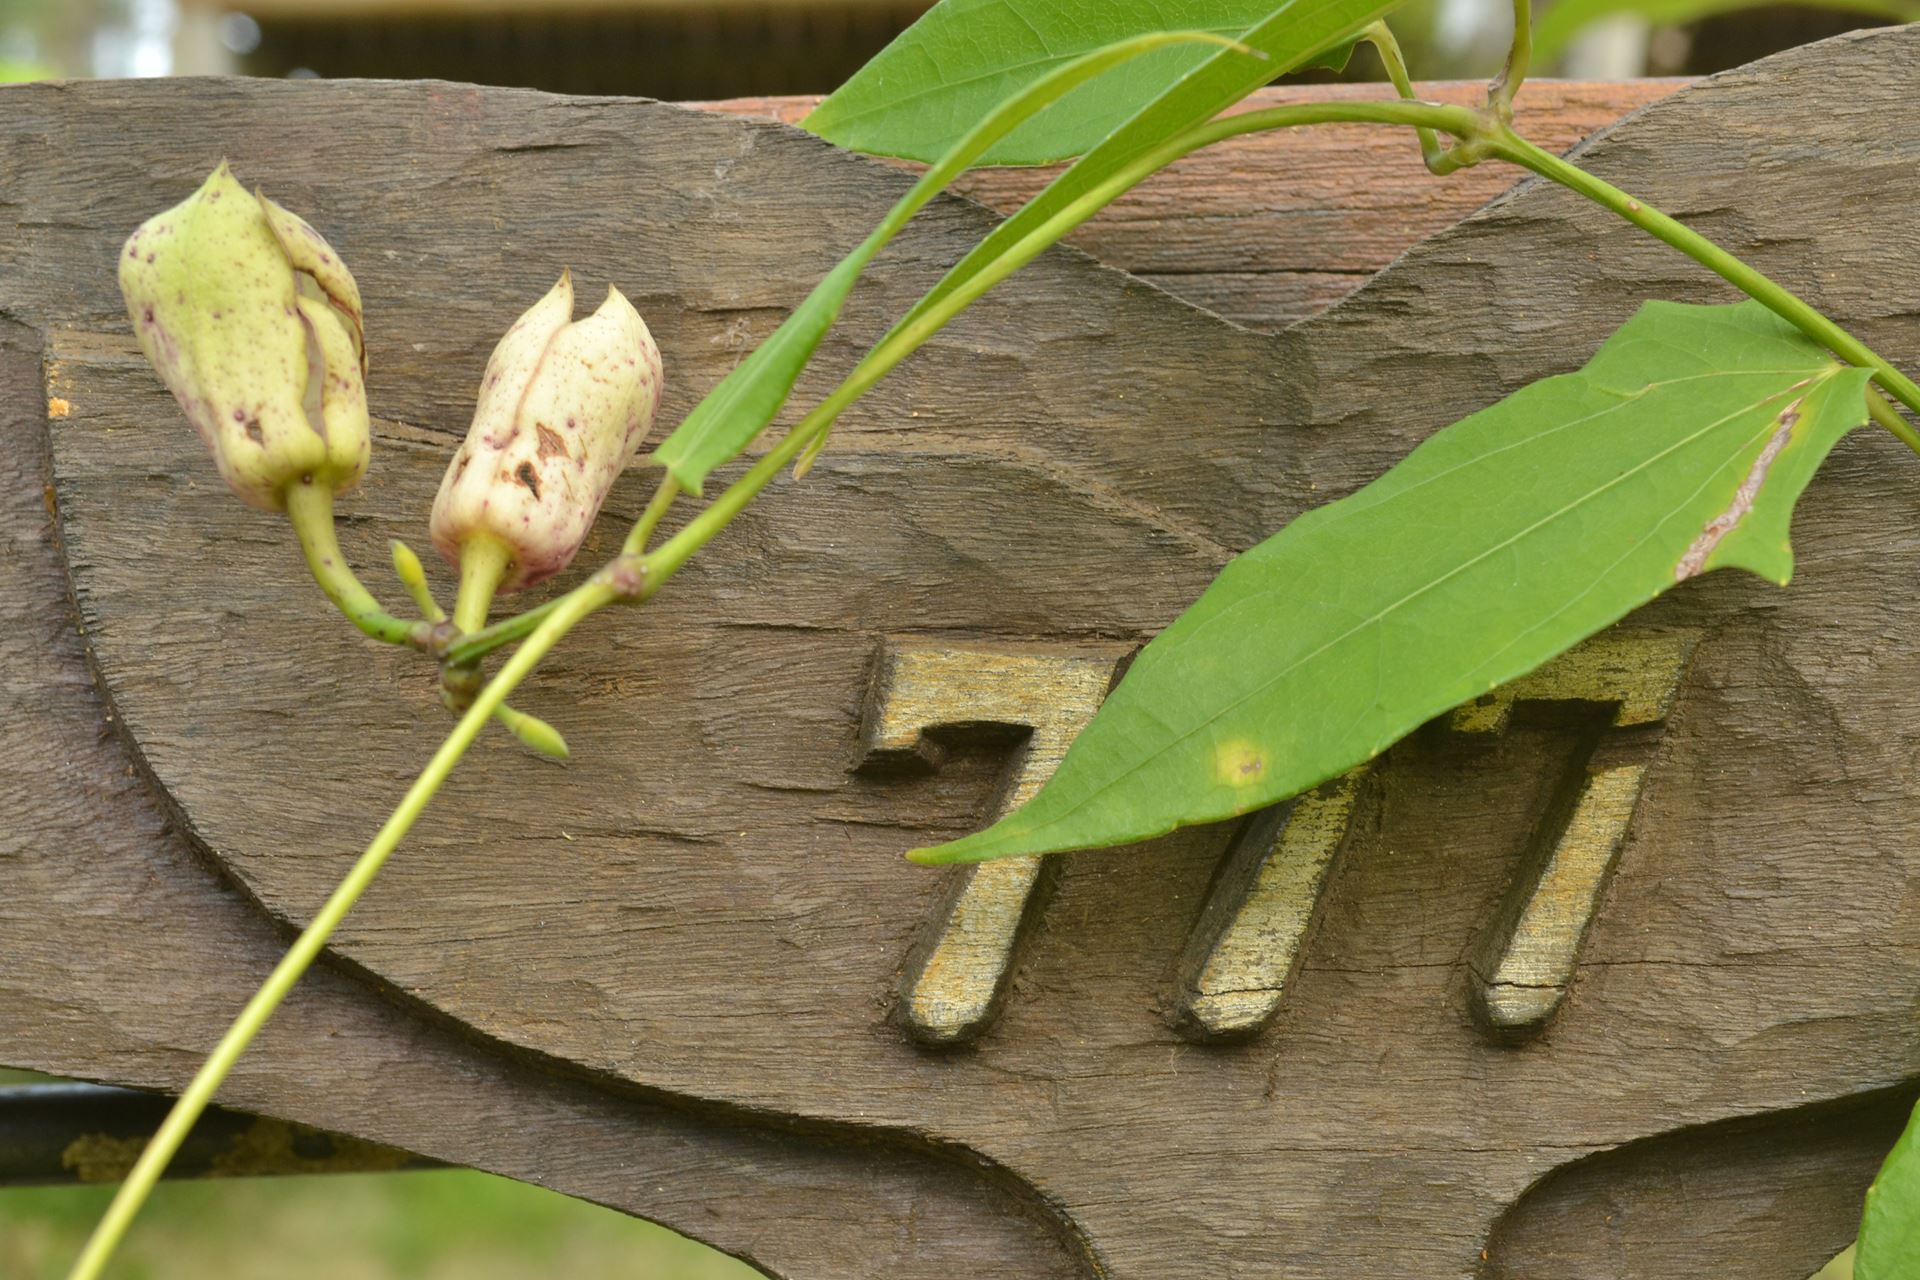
x: 255, y: 326
x: 563, y: 407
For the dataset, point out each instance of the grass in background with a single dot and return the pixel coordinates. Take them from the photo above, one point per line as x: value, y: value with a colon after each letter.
x: 451, y: 1224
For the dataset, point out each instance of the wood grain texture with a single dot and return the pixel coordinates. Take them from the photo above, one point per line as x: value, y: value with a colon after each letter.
x: 700, y: 924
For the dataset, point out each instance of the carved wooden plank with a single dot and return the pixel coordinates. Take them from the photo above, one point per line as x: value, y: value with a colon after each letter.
x: 1025, y: 481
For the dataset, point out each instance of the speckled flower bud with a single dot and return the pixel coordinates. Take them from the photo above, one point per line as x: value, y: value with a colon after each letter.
x: 254, y: 324
x: 563, y: 407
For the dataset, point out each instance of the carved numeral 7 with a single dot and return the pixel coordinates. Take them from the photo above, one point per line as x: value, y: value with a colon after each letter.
x: 958, y: 972
x: 1525, y: 962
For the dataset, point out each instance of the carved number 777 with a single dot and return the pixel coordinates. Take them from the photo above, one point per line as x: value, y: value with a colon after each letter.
x: 1260, y: 910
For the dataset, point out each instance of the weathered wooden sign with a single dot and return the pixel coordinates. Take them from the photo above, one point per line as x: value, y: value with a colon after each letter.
x: 1610, y: 974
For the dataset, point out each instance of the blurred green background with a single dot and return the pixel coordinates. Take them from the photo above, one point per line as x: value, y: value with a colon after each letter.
x: 427, y: 1225
x: 469, y: 1225
x: 694, y: 49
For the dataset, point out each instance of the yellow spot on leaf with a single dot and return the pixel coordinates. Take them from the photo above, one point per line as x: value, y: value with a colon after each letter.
x: 1239, y: 762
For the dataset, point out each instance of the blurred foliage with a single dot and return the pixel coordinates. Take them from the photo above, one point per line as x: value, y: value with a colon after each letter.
x: 43, y: 39
x: 13, y: 72
x: 700, y: 49
x: 1560, y: 22
x: 433, y: 1225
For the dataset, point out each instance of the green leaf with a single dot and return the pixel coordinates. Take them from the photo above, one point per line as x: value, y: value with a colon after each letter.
x: 1293, y: 35
x: 1557, y: 27
x: 924, y: 91
x: 749, y: 397
x: 1498, y: 543
x: 1889, y: 1247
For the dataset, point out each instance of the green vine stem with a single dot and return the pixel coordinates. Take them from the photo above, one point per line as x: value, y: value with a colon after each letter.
x: 650, y: 518
x: 310, y: 511
x: 1777, y: 298
x: 1381, y: 37
x: 1889, y: 417
x: 483, y: 566
x: 1519, y: 62
x: 484, y: 562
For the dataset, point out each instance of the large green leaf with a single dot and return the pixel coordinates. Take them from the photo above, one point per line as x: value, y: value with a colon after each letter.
x: 748, y: 398
x: 925, y: 90
x: 1889, y: 1247
x: 1564, y: 20
x: 1498, y: 543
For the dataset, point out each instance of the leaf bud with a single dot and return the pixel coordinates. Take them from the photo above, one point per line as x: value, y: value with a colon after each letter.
x: 254, y: 324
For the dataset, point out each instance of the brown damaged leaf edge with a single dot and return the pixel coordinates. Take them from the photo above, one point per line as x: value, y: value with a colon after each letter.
x: 1694, y: 561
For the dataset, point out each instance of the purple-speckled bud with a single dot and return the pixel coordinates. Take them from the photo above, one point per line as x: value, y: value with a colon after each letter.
x: 254, y: 324
x: 563, y: 408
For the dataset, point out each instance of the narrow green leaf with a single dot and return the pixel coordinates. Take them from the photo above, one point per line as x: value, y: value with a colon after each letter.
x: 749, y: 397
x: 1498, y: 543
x: 920, y: 94
x: 1564, y: 20
x: 1294, y: 34
x: 1889, y: 1247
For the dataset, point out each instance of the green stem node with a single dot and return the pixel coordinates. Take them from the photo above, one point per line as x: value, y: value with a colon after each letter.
x: 469, y: 648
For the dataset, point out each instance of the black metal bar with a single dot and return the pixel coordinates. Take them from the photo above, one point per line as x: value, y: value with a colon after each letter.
x: 77, y: 1133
